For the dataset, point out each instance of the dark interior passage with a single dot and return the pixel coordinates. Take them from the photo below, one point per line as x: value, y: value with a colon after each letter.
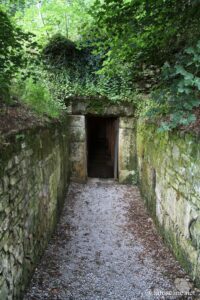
x: 101, y: 143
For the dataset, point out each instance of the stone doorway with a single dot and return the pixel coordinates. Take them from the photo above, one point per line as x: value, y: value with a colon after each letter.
x: 102, y: 147
x: 118, y: 125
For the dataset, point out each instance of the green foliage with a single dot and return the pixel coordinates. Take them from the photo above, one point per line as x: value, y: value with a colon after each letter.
x: 8, y: 59
x: 76, y: 71
x: 179, y: 92
x: 120, y: 48
x: 17, y: 53
x: 21, y: 71
x: 80, y: 82
x: 60, y: 51
x: 37, y: 96
x: 142, y: 32
x: 47, y: 18
x: 144, y: 35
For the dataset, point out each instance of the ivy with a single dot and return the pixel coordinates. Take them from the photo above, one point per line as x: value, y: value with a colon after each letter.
x: 113, y: 49
x: 179, y: 90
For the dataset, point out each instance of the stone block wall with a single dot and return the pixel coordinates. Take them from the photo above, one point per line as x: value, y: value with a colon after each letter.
x: 34, y: 175
x: 127, y: 157
x: 78, y: 148
x: 169, y: 176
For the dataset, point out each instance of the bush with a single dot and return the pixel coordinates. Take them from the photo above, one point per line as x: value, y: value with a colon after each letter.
x: 179, y: 92
x: 37, y: 96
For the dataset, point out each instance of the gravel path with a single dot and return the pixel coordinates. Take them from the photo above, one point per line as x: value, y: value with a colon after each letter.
x: 106, y: 247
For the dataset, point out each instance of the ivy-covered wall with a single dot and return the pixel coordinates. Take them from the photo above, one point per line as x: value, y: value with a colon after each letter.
x: 169, y: 177
x: 34, y: 173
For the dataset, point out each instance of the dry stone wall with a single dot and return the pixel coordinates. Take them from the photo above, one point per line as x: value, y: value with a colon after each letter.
x: 34, y: 174
x: 169, y: 175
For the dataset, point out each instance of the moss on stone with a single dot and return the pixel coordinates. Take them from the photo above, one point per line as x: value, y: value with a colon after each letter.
x: 174, y: 157
x: 34, y: 172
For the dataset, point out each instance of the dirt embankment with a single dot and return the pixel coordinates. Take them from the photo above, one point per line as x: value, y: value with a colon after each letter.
x: 18, y: 117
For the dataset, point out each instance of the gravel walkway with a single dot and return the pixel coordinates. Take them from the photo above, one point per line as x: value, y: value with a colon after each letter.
x: 106, y: 247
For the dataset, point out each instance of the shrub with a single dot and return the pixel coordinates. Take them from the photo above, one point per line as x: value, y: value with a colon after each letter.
x: 37, y: 96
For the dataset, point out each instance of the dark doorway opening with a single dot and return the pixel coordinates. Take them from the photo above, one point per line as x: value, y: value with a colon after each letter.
x: 102, y: 147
